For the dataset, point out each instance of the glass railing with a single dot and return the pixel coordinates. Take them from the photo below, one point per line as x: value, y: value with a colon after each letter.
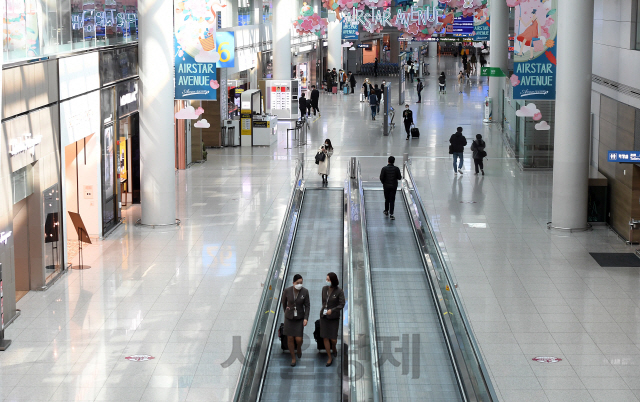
x: 467, y: 359
x: 259, y: 347
x: 364, y: 376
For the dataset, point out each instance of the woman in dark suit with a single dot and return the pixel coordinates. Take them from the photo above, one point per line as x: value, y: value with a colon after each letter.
x: 332, y: 304
x: 295, y: 302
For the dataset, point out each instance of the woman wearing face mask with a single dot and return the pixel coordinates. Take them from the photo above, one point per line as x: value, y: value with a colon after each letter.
x: 325, y: 165
x: 332, y: 304
x: 295, y: 302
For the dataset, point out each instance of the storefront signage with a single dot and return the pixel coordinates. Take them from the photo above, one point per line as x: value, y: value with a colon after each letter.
x: 130, y: 97
x: 349, y: 31
x: 26, y: 143
x: 536, y: 30
x: 624, y: 156
x: 94, y: 22
x: 364, y: 46
x: 4, y: 237
x: 79, y: 118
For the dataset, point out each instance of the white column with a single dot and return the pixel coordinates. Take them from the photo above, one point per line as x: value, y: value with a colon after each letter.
x: 157, y: 153
x: 573, y: 114
x: 234, y: 13
x: 499, y: 37
x: 281, y: 31
x: 433, y: 59
x: 334, y: 39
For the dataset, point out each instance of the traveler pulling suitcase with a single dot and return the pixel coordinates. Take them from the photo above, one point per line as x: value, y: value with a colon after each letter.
x: 415, y: 133
x: 316, y: 336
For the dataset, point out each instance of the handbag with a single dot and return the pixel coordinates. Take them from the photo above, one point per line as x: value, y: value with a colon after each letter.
x: 320, y: 157
x: 450, y: 149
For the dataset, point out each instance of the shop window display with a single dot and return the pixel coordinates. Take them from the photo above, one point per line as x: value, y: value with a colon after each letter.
x: 35, y: 28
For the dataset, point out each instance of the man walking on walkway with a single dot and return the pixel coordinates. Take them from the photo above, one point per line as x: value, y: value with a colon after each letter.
x: 389, y: 176
x: 407, y: 118
x: 315, y: 95
x: 458, y: 142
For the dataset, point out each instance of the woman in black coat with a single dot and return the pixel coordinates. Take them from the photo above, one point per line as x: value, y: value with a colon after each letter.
x: 332, y: 305
x: 295, y: 302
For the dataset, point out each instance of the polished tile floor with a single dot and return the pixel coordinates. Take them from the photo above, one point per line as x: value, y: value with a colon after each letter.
x: 186, y: 296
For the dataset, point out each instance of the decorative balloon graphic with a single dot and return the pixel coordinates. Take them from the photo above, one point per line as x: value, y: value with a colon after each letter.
x: 309, y: 22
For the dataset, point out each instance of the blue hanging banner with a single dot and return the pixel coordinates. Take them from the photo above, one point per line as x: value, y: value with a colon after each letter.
x: 536, y: 28
x: 349, y: 31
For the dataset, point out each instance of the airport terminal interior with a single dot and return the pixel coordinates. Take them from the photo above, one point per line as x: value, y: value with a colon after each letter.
x: 199, y: 201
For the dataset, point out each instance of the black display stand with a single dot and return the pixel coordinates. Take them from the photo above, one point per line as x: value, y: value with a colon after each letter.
x: 4, y: 343
x: 51, y: 236
x: 83, y: 237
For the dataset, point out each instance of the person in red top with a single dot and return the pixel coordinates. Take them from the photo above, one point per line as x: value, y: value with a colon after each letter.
x: 530, y: 35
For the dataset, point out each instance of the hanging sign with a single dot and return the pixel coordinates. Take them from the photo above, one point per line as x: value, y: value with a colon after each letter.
x: 624, y: 156
x: 349, y: 31
x: 481, y: 25
x: 534, y: 66
x: 199, y: 49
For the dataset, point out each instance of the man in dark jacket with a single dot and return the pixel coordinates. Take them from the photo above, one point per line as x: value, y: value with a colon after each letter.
x: 478, y: 148
x: 407, y: 118
x: 389, y: 176
x: 352, y: 81
x: 375, y: 67
x: 458, y: 142
x: 315, y: 95
x: 302, y: 105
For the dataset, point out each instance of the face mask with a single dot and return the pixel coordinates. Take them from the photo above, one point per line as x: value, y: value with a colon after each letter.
x: 298, y: 286
x: 328, y: 283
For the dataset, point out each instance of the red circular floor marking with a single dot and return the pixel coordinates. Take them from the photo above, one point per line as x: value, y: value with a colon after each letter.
x: 139, y: 358
x: 547, y: 359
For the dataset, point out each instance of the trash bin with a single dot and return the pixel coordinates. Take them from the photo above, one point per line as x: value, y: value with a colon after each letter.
x: 231, y: 136
x: 223, y: 137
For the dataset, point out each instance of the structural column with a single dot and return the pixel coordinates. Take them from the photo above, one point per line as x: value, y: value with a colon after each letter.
x: 281, y: 31
x: 157, y: 153
x: 573, y: 115
x: 334, y: 39
x: 499, y: 37
x: 433, y: 59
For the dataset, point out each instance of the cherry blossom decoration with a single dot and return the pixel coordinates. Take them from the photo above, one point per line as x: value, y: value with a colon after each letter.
x: 309, y: 22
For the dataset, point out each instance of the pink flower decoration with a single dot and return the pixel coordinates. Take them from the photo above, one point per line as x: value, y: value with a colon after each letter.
x: 513, y: 3
x: 180, y: 53
x: 515, y: 81
x: 537, y: 116
x: 306, y: 25
x: 214, y: 84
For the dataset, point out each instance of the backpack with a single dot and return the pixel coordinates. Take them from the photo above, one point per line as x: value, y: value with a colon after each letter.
x: 373, y: 99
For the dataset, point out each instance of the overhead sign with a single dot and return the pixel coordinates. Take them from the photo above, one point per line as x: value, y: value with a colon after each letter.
x: 371, y: 17
x: 624, y: 156
x: 492, y: 72
x: 536, y: 29
x: 364, y: 46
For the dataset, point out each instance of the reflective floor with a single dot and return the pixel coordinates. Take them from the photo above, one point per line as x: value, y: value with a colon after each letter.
x: 188, y: 296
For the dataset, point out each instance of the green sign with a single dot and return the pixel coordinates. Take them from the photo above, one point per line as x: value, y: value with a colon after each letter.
x: 492, y: 72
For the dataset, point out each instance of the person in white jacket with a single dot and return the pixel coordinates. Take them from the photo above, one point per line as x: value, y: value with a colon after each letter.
x: 324, y: 167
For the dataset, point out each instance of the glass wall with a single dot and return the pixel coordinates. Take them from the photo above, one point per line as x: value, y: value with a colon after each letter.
x: 35, y: 28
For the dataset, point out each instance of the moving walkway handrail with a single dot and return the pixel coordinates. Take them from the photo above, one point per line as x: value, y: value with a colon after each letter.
x: 361, y: 317
x: 251, y: 376
x: 476, y: 381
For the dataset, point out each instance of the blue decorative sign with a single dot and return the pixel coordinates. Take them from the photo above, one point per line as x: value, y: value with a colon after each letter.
x: 226, y: 45
x: 349, y: 31
x: 624, y: 156
x: 193, y: 79
x: 482, y: 32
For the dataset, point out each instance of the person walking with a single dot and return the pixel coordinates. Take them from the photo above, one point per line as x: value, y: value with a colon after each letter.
x: 302, y: 105
x: 407, y: 118
x: 352, y: 81
x: 389, y: 176
x: 478, y: 148
x: 460, y: 80
x: 324, y: 167
x: 474, y: 63
x: 373, y: 103
x: 296, y: 306
x: 332, y: 304
x: 483, y: 61
x: 458, y: 142
x: 366, y: 86
x: 420, y: 87
x: 442, y: 82
x: 327, y: 80
x: 375, y: 67
x: 412, y: 71
x: 315, y: 96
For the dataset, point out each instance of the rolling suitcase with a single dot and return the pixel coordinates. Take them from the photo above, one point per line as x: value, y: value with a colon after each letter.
x: 284, y: 345
x: 345, y: 89
x: 415, y: 133
x: 334, y: 89
x: 316, y: 336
